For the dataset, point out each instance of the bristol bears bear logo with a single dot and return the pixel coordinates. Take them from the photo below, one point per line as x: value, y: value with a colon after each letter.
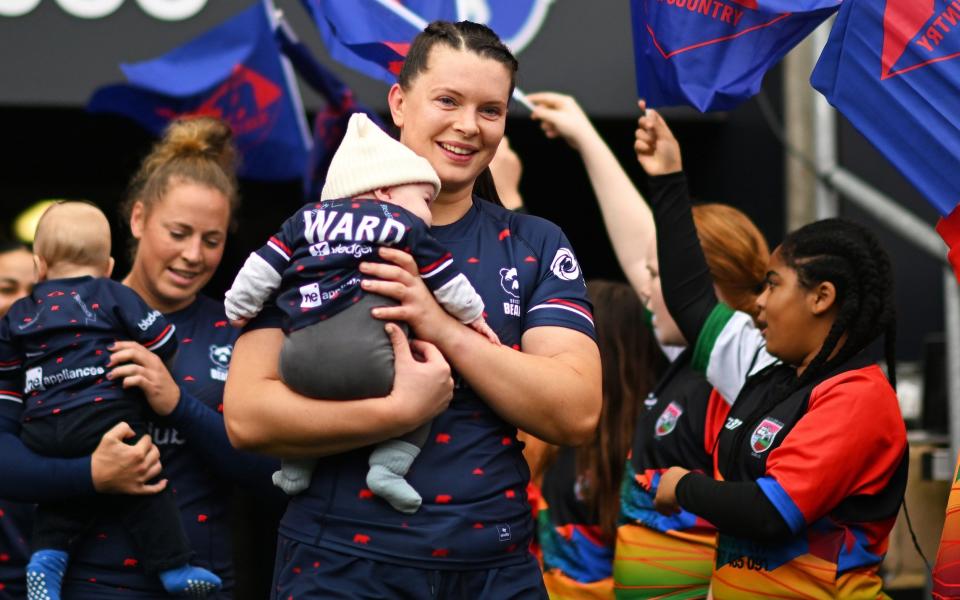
x: 220, y: 356
x: 508, y: 281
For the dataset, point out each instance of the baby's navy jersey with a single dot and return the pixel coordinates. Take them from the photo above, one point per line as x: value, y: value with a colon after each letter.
x: 471, y: 472
x: 198, y: 462
x: 831, y: 457
x: 318, y: 251
x: 56, y: 340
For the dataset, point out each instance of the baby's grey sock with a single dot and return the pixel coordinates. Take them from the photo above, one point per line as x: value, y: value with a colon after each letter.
x: 389, y: 462
x: 294, y: 475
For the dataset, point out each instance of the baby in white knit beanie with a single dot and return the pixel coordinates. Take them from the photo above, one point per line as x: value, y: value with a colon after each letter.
x: 377, y: 193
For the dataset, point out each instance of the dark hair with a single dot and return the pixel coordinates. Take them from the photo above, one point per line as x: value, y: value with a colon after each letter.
x: 631, y: 362
x: 469, y: 37
x: 465, y: 35
x: 849, y: 256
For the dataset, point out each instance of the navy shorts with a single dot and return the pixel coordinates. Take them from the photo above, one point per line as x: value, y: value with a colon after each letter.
x: 305, y: 572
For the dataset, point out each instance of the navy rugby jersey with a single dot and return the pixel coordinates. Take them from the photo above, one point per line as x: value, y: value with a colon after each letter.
x: 318, y: 251
x: 471, y: 472
x: 53, y: 343
x: 198, y: 461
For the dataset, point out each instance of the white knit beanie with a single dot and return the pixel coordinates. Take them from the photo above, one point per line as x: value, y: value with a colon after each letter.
x: 368, y: 159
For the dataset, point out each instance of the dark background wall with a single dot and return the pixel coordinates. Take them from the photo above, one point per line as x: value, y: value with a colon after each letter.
x: 53, y: 61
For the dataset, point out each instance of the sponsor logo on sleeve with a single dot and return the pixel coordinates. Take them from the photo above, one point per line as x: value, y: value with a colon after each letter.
x: 564, y: 265
x: 151, y: 318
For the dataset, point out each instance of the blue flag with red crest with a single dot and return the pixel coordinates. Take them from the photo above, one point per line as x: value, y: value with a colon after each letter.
x: 373, y: 36
x: 331, y: 121
x: 233, y: 72
x: 713, y: 54
x: 370, y: 36
x: 892, y: 67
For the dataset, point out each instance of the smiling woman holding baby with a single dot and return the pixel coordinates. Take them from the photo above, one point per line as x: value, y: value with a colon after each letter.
x: 469, y: 537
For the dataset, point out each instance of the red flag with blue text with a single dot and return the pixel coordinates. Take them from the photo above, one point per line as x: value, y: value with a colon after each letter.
x: 234, y: 72
x: 331, y: 121
x: 713, y: 54
x: 892, y: 67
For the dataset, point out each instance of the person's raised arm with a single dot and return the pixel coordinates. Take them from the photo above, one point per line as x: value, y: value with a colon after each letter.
x: 687, y: 285
x: 551, y: 388
x: 262, y: 414
x: 626, y: 216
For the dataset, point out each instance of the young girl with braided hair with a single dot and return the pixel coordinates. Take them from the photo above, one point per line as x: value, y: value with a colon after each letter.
x: 810, y: 466
x: 676, y: 424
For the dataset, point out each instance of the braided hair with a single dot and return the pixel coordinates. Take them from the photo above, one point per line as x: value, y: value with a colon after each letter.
x: 849, y: 256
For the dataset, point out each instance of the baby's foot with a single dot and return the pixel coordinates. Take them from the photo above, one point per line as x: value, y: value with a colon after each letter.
x: 190, y: 581
x: 45, y: 574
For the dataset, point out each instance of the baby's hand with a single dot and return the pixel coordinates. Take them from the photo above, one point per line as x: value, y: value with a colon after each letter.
x: 239, y: 323
x: 480, y: 326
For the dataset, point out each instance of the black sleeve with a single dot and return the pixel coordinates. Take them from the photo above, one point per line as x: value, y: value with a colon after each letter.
x: 737, y: 508
x: 684, y: 276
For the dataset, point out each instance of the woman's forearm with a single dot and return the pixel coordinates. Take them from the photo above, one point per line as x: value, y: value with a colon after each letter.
x: 687, y: 284
x: 204, y: 428
x: 738, y: 508
x: 551, y: 389
x: 29, y: 477
x: 263, y: 415
x: 627, y: 218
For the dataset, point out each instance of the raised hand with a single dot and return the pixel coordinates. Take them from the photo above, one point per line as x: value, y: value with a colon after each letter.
x: 658, y: 152
x: 561, y: 116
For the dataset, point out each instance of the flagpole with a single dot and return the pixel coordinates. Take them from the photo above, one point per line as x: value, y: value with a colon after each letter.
x: 825, y: 132
x: 417, y: 21
x: 951, y: 309
x: 275, y: 16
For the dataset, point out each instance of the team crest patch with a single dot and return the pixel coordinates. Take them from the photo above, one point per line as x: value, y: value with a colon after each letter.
x: 220, y: 357
x: 764, y: 434
x: 667, y: 421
